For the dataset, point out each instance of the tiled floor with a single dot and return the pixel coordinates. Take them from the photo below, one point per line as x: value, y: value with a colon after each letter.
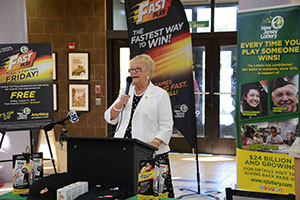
x: 216, y: 173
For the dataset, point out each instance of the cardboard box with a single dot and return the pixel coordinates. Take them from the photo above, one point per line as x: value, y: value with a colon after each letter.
x: 148, y: 181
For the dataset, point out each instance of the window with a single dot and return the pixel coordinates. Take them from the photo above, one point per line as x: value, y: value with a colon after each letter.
x: 225, y: 18
x: 199, y: 16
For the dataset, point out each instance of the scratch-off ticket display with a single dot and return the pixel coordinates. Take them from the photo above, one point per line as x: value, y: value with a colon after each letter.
x: 26, y: 86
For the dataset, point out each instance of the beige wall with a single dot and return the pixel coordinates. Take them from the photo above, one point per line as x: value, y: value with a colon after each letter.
x: 82, y: 21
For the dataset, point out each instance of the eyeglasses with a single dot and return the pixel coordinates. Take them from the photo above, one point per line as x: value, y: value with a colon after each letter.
x: 137, y: 69
x: 287, y: 93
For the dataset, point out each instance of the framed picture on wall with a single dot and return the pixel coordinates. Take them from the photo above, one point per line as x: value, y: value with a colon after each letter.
x: 54, y: 64
x: 55, y: 97
x: 78, y: 66
x: 79, y: 97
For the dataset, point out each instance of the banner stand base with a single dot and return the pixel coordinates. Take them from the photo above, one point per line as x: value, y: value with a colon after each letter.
x: 198, y: 193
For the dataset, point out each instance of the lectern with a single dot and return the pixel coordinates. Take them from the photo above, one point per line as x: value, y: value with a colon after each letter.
x: 107, y: 161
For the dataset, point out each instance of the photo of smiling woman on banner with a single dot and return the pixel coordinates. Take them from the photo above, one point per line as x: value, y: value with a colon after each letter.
x: 252, y: 101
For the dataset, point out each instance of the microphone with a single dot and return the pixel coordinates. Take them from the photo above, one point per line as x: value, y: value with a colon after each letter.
x: 128, y: 80
x: 62, y: 134
x: 73, y: 116
x: 70, y: 116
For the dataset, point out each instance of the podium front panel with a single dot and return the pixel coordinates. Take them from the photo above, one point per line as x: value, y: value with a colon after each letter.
x: 107, y: 161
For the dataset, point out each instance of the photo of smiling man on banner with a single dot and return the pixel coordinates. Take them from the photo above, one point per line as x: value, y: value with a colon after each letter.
x: 284, y: 94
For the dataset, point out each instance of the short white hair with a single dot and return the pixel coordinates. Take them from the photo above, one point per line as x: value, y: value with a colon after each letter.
x: 147, y: 60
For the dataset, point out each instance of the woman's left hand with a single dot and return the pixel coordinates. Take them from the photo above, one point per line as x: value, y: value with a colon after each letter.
x: 156, y: 142
x: 153, y: 143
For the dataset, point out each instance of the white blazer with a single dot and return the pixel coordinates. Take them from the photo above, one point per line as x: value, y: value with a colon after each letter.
x: 151, y: 119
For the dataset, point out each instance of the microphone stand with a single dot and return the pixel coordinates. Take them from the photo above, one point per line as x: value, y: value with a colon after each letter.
x: 63, y: 133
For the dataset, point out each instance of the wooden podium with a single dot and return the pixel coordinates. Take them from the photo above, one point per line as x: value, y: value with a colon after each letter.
x: 107, y: 161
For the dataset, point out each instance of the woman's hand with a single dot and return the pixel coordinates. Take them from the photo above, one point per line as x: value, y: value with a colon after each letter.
x: 156, y: 142
x: 117, y: 108
x: 123, y: 101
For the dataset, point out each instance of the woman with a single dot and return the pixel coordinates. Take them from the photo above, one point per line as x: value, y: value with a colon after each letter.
x: 145, y: 113
x: 258, y: 139
x: 249, y: 134
x: 251, y: 105
x: 291, y: 138
x: 244, y: 139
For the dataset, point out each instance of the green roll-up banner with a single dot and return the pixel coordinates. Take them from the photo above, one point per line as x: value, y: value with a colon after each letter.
x: 267, y: 110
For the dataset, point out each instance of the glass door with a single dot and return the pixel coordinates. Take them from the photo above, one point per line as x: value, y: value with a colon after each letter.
x: 222, y: 129
x: 199, y: 88
x: 227, y: 91
x: 214, y: 88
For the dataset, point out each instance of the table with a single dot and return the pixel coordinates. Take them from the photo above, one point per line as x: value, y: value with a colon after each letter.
x: 10, y: 195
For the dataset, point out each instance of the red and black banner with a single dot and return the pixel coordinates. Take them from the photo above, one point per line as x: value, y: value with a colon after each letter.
x: 160, y: 29
x: 26, y: 86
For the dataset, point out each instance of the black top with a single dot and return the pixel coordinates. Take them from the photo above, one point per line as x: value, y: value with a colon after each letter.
x: 136, y: 100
